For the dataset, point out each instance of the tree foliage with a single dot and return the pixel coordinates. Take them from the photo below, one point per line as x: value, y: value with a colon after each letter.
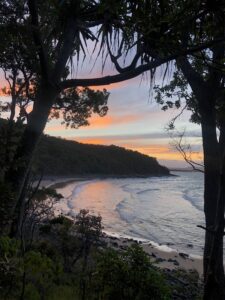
x: 41, y: 40
x: 41, y: 272
x: 129, y: 275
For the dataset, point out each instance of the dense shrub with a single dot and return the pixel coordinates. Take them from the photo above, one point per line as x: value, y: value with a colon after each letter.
x: 129, y: 275
x: 69, y: 261
x: 11, y: 268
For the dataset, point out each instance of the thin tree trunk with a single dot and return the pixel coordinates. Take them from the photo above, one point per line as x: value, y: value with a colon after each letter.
x: 15, y: 230
x: 22, y: 161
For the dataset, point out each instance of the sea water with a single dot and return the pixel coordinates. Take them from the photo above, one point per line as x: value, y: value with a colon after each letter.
x: 163, y: 210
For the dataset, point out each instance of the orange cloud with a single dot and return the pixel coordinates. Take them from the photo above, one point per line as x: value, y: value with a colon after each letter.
x: 94, y: 141
x: 2, y: 94
x: 97, y: 122
x: 108, y: 120
x: 163, y: 152
x: 166, y: 153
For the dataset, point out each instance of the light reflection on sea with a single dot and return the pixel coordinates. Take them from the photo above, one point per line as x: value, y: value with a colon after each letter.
x: 165, y: 210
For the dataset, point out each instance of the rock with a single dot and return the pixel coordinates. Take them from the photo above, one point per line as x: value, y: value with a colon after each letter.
x: 159, y: 260
x: 170, y: 244
x: 183, y: 255
x: 174, y: 261
x: 171, y: 260
x: 167, y: 270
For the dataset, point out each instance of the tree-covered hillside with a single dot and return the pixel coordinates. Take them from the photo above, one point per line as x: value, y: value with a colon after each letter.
x: 58, y: 157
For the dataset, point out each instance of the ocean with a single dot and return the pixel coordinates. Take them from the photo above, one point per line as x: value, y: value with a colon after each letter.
x: 161, y: 210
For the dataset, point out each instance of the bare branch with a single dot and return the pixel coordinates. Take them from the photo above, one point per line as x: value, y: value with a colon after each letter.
x: 206, y: 229
x: 173, y: 120
x: 182, y: 149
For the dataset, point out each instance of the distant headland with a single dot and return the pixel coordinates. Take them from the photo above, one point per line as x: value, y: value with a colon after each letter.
x: 60, y: 157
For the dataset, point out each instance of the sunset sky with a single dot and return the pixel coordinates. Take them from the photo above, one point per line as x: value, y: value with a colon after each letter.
x: 134, y: 120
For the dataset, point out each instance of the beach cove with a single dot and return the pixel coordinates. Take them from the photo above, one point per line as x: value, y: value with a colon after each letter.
x: 122, y: 226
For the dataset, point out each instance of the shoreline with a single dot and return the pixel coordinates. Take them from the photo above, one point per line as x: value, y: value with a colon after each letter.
x: 52, y: 180
x: 168, y: 259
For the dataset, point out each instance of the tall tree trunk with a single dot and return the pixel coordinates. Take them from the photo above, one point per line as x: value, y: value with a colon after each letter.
x: 213, y: 208
x: 205, y: 93
x: 216, y: 258
x: 214, y: 283
x: 22, y: 161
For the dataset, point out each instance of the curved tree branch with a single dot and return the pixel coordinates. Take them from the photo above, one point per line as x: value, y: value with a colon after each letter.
x: 114, y: 59
x: 71, y: 83
x: 111, y: 78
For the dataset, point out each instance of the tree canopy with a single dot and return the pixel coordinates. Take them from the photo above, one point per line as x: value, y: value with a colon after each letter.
x: 41, y: 42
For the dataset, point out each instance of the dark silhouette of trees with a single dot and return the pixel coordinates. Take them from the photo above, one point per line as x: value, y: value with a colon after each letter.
x: 71, y: 158
x: 206, y: 101
x: 203, y: 71
x: 40, y: 38
x: 34, y: 54
x: 48, y: 35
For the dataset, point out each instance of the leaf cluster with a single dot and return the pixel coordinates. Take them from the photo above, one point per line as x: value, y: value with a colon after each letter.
x: 177, y: 94
x: 75, y: 106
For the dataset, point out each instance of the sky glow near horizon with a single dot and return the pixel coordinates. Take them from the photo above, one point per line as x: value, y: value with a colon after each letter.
x: 134, y: 120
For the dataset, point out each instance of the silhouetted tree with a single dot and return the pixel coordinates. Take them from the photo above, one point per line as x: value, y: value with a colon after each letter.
x: 203, y: 71
x: 47, y: 35
x: 204, y: 74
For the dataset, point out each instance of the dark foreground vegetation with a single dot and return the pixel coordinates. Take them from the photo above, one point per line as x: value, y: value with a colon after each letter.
x: 43, y: 45
x: 55, y: 156
x: 57, y: 258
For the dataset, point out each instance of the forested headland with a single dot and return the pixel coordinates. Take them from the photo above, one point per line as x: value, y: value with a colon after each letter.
x: 60, y: 157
